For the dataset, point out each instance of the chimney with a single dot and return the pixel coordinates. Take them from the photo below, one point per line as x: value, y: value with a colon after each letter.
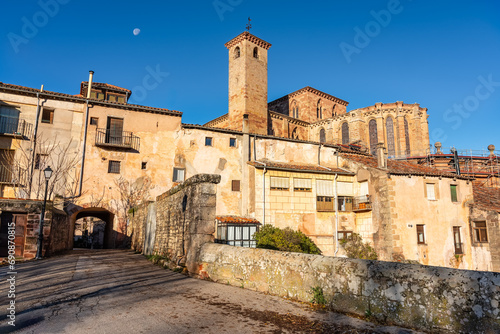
x: 381, y: 156
x: 89, y: 88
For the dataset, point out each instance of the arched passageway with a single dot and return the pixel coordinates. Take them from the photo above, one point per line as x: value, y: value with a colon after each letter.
x: 102, y: 214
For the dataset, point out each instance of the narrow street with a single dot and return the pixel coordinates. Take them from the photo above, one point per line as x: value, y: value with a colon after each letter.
x: 117, y: 291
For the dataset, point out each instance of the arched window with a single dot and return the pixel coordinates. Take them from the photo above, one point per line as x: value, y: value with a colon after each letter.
x: 345, y: 133
x: 372, y: 130
x: 255, y: 52
x: 322, y: 135
x: 237, y: 52
x: 407, y: 136
x: 333, y: 111
x: 295, y: 110
x: 389, y: 126
x: 319, y: 112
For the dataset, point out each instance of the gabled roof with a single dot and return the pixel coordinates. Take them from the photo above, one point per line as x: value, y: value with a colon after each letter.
x: 487, y: 198
x: 311, y: 90
x: 397, y: 167
x: 295, y: 167
x: 248, y: 36
x: 83, y: 92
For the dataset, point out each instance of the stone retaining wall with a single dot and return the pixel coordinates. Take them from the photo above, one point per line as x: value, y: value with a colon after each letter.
x: 429, y: 298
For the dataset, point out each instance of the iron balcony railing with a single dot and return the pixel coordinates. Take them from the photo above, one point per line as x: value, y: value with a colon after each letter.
x: 13, y: 175
x: 124, y: 140
x: 15, y: 127
x: 361, y: 203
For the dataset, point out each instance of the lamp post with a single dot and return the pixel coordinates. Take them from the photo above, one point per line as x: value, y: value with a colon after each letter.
x: 47, y: 173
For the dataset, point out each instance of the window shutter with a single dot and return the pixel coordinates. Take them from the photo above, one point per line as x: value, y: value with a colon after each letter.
x: 279, y: 182
x: 324, y: 188
x: 430, y: 191
x: 363, y: 188
x: 453, y: 189
x: 302, y: 183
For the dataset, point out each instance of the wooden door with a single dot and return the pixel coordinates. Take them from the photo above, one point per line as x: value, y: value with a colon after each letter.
x: 20, y: 236
x: 20, y: 220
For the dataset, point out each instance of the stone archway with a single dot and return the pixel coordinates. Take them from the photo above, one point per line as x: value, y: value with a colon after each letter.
x: 102, y: 214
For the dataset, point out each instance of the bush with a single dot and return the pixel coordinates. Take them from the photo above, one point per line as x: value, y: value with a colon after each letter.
x: 286, y: 240
x: 356, y: 248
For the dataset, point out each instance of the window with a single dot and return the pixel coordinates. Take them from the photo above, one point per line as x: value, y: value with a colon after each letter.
x: 319, y: 111
x: 235, y: 185
x: 421, y: 234
x: 232, y: 142
x: 179, y: 174
x: 407, y: 136
x: 322, y: 136
x: 480, y: 232
x: 40, y: 160
x: 457, y: 240
x: 144, y: 164
x: 256, y: 52
x: 324, y: 203
x: 302, y: 184
x: 121, y: 99
x: 344, y: 235
x: 430, y: 189
x: 235, y: 234
x: 97, y: 95
x: 114, y: 167
x: 9, y: 119
x: 279, y: 183
x: 372, y: 130
x: 47, y: 116
x: 345, y: 133
x: 208, y: 141
x: 114, y: 131
x: 237, y: 52
x: 345, y: 203
x: 324, y: 195
x: 453, y: 190
x: 94, y: 121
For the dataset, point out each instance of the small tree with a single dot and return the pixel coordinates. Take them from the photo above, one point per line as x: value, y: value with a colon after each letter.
x: 356, y: 248
x: 286, y: 240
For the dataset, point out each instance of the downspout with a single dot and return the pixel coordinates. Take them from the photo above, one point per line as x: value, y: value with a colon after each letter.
x: 34, y: 139
x: 91, y: 76
x: 336, y: 218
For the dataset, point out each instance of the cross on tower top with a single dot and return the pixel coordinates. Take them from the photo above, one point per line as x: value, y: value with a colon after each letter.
x: 249, y: 25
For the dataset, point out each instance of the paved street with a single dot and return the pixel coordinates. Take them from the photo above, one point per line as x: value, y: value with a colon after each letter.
x: 117, y: 291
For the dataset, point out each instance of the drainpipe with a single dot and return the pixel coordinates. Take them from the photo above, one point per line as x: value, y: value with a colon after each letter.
x: 34, y: 138
x: 336, y: 218
x: 91, y: 76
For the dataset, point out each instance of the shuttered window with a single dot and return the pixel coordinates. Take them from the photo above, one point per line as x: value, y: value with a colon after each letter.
x: 363, y: 188
x: 324, y: 188
x: 344, y: 188
x: 302, y: 185
x: 453, y: 189
x: 279, y: 183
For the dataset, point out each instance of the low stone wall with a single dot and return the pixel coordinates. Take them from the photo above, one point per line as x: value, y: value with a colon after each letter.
x: 429, y: 298
x: 179, y: 223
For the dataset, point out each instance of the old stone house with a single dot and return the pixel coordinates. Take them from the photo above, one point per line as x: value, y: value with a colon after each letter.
x: 301, y: 161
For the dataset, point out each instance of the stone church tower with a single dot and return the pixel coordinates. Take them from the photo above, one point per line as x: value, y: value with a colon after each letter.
x: 248, y: 82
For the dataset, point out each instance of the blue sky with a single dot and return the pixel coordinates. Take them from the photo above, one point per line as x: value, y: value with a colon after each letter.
x: 442, y: 54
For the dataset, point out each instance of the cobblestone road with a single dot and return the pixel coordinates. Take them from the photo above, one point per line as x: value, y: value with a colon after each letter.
x: 116, y: 291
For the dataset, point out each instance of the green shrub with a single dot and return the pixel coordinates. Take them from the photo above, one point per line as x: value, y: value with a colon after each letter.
x: 356, y: 248
x: 318, y: 296
x: 286, y: 240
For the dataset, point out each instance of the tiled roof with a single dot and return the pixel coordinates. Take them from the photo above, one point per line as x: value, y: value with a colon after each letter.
x: 248, y: 36
x: 486, y: 197
x: 308, y: 168
x: 237, y: 220
x: 77, y: 99
x: 402, y: 167
x: 104, y: 85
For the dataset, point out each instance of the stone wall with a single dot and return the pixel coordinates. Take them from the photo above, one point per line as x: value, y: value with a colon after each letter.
x: 184, y: 220
x: 428, y: 298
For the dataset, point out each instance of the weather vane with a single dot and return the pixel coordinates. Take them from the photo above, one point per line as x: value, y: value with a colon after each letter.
x: 249, y: 25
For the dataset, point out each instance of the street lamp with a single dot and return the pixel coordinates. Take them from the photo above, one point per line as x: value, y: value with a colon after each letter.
x: 48, y: 173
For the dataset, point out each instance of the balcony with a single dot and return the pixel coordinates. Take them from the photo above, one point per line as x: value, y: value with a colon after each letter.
x: 13, y: 175
x: 15, y: 127
x: 113, y: 139
x: 361, y: 203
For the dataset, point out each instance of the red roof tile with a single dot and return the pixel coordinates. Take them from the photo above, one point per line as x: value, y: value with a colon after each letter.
x: 487, y: 198
x: 299, y: 167
x: 237, y: 220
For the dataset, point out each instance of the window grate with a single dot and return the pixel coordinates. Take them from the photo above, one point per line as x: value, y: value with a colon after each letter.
x: 114, y: 167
